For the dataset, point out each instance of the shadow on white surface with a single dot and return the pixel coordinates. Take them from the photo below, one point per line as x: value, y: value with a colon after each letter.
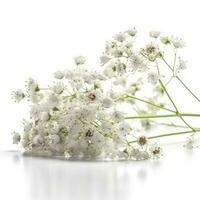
x: 34, y: 178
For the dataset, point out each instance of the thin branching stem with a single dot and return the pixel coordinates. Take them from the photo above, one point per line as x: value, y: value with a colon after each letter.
x: 169, y: 134
x: 164, y: 116
x: 175, y: 107
x: 148, y: 102
x: 180, y: 80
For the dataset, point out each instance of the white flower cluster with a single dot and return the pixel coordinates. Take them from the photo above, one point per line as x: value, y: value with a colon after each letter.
x: 83, y: 113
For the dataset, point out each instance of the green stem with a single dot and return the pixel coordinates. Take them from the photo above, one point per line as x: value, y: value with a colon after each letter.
x: 177, y: 111
x: 169, y: 124
x: 150, y: 103
x: 166, y: 63
x: 188, y: 89
x: 169, y: 134
x: 166, y: 84
x: 179, y: 79
x: 174, y: 65
x: 164, y: 116
x: 174, y: 133
x: 164, y: 88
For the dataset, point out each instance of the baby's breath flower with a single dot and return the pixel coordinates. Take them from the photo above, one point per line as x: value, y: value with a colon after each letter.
x: 154, y: 34
x: 104, y: 60
x: 92, y: 96
x: 54, y: 139
x: 45, y: 116
x: 146, y: 124
x: 79, y: 60
x: 155, y: 151
x: 32, y: 86
x: 151, y: 51
x: 177, y: 42
x: 153, y: 77
x: 139, y: 154
x: 117, y: 53
x: 124, y: 128
x: 132, y: 31
x: 80, y: 115
x: 59, y: 74
x: 165, y: 40
x: 120, y: 37
x: 136, y: 61
x: 38, y: 139
x: 18, y: 95
x: 109, y: 71
x: 182, y: 64
x: 16, y: 138
x: 142, y: 140
x: 27, y: 125
x: 107, y: 102
x: 117, y: 116
x: 128, y: 44
x: 191, y: 143
x: 58, y: 88
x: 121, y: 81
x: 67, y: 155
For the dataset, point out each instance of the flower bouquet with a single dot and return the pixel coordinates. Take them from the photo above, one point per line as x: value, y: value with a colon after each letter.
x: 107, y: 113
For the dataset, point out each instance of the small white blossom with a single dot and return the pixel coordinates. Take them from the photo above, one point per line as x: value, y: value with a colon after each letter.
x: 54, y: 128
x: 120, y: 68
x: 67, y: 155
x: 16, y: 138
x: 58, y: 88
x: 153, y: 77
x: 117, y: 53
x: 107, y: 102
x: 151, y: 51
x: 120, y: 37
x: 79, y: 60
x: 104, y: 60
x: 124, y: 128
x: 80, y: 114
x: 136, y: 61
x: 59, y: 74
x: 77, y: 82
x: 120, y: 81
x: 182, y: 64
x: 177, y: 42
x: 35, y: 112
x: 117, y: 116
x: 128, y: 44
x: 37, y: 140
x: 165, y: 40
x: 154, y: 34
x: 52, y: 101
x: 18, y: 95
x: 32, y: 86
x: 109, y: 72
x: 69, y: 74
x: 27, y: 126
x: 191, y: 143
x: 132, y: 31
x: 106, y: 126
x: 142, y: 140
x: 155, y: 151
x: 110, y: 47
x: 139, y: 154
x: 54, y: 139
x: 45, y: 116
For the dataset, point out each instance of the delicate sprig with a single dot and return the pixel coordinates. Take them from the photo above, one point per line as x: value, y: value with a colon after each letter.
x: 86, y: 113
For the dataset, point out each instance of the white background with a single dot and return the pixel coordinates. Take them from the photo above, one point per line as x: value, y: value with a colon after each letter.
x: 37, y: 38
